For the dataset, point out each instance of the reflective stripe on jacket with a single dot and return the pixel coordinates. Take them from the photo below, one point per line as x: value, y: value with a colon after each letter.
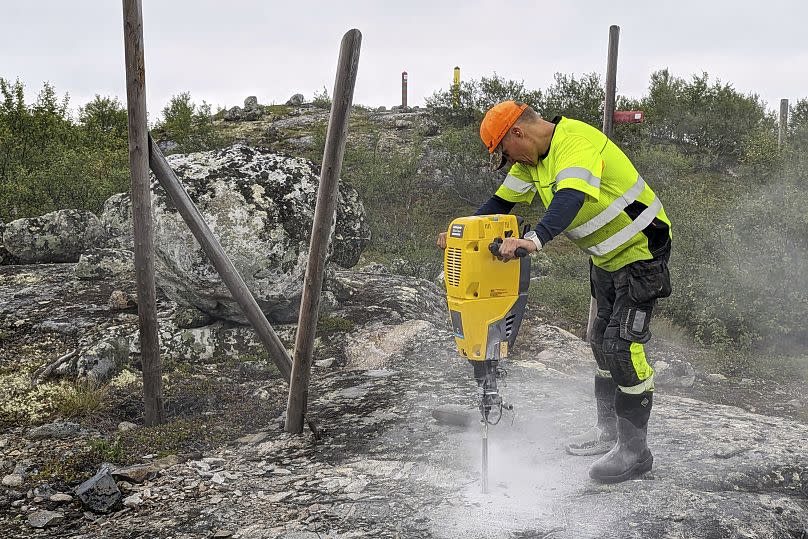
x: 582, y: 158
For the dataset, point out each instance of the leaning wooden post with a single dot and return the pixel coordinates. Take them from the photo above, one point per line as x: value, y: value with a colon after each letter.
x: 783, y: 133
x: 321, y: 229
x: 215, y: 253
x: 154, y: 412
x: 608, y: 123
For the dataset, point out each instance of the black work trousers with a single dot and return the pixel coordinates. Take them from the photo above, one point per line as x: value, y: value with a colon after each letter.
x: 625, y: 303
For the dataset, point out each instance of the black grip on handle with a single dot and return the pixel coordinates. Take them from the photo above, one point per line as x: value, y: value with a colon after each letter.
x: 494, y: 248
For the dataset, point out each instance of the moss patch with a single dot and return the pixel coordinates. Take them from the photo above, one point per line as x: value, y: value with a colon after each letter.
x: 333, y: 324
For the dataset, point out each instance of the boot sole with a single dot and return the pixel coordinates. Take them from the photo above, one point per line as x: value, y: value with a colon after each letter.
x: 638, y: 469
x: 598, y: 449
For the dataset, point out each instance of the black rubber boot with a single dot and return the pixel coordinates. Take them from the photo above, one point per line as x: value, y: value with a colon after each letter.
x: 630, y: 457
x: 600, y: 438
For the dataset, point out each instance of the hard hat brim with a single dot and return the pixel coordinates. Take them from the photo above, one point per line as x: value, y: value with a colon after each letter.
x: 497, y: 159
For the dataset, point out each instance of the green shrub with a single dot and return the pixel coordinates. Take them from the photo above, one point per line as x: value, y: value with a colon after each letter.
x: 50, y: 162
x: 321, y: 100
x: 104, y: 450
x: 187, y: 124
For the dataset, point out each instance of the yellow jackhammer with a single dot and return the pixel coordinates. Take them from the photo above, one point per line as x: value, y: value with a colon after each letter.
x: 487, y: 300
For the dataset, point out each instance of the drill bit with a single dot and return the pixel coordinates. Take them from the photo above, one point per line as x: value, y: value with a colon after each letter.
x: 484, y: 470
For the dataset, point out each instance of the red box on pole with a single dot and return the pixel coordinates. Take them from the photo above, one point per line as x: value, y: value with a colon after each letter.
x: 628, y: 116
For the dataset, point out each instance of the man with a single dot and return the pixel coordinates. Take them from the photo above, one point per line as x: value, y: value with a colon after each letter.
x: 596, y: 197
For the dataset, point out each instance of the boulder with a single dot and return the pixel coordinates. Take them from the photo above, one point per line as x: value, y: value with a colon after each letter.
x: 99, y: 263
x: 136, y: 473
x: 296, y: 100
x: 45, y: 519
x: 100, y: 493
x: 191, y: 317
x: 300, y: 144
x: 167, y: 146
x: 58, y: 430
x: 260, y: 205
x: 59, y: 236
x: 102, y: 360
x: 13, y: 480
x: 120, y: 300
x: 235, y: 114
x: 116, y: 220
x: 428, y: 127
x: 423, y: 270
x: 252, y: 110
x: 674, y: 372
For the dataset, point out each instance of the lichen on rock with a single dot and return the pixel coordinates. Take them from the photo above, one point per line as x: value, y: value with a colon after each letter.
x: 260, y: 205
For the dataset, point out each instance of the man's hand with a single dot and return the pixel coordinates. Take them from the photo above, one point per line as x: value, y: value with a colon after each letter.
x: 442, y: 240
x: 509, y: 246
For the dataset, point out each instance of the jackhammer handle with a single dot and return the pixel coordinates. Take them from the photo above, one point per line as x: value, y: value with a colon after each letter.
x: 494, y: 248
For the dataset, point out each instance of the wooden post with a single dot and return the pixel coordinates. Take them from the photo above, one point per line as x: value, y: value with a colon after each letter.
x: 321, y: 229
x: 154, y: 412
x: 608, y: 124
x: 783, y: 133
x: 403, y: 90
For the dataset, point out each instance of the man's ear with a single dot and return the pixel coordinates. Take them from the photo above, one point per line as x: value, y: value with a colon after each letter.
x: 517, y: 131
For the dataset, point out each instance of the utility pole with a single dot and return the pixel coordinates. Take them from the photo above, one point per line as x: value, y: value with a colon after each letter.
x: 154, y: 412
x: 611, y: 81
x: 403, y: 90
x: 783, y: 133
x: 608, y: 123
x: 321, y: 229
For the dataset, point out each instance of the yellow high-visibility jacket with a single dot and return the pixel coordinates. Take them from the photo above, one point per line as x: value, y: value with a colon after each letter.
x: 618, y: 204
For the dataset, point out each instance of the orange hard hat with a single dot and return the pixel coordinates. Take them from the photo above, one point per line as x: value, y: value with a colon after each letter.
x: 496, y: 123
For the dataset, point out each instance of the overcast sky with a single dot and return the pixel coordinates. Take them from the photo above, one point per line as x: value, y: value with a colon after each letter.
x: 223, y: 51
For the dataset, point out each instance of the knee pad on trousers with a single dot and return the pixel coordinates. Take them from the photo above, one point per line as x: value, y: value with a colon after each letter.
x: 617, y: 355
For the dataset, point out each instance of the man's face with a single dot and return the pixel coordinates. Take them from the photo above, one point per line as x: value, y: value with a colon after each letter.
x: 516, y: 148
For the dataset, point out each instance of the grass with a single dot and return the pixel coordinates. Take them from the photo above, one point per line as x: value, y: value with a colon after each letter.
x: 105, y: 450
x: 564, y: 291
x: 170, y: 438
x: 278, y: 110
x: 666, y: 329
x: 66, y: 467
x: 778, y: 368
x: 564, y: 297
x: 333, y: 324
x: 81, y: 400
